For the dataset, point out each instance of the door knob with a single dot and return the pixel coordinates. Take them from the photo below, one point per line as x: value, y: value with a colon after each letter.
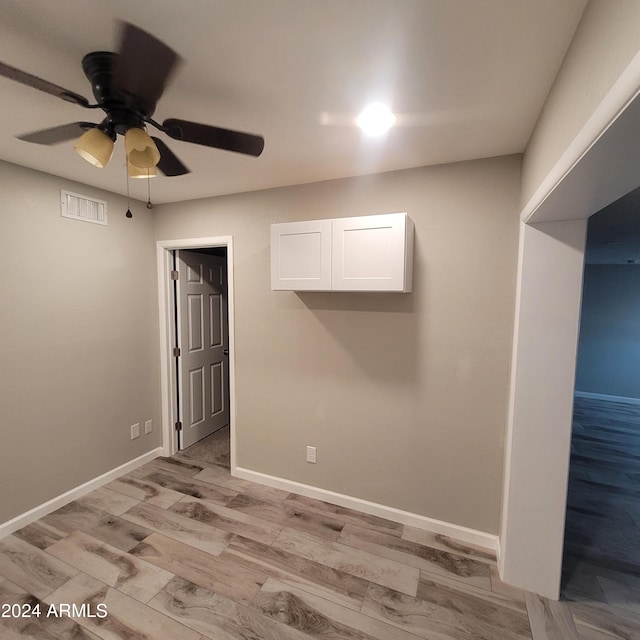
x: 226, y: 352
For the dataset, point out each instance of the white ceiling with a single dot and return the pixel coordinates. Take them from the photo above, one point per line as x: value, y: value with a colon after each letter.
x: 468, y: 77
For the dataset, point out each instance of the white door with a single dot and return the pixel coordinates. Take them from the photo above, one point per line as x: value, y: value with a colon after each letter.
x: 203, y: 375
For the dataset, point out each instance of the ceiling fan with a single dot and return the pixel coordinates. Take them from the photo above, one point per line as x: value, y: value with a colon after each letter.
x: 127, y: 86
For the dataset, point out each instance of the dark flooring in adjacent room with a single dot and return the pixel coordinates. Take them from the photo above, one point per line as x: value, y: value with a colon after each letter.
x: 602, y: 537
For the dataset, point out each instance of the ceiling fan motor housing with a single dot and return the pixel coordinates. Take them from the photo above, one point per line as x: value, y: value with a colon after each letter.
x: 122, y: 111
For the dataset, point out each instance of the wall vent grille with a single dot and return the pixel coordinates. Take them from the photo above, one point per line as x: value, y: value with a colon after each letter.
x: 78, y: 207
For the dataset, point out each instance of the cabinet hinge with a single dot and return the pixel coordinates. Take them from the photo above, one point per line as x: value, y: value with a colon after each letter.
x: 176, y: 352
x: 174, y: 275
x: 178, y: 426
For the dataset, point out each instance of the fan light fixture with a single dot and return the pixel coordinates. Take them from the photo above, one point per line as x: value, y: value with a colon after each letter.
x: 137, y: 172
x: 141, y: 149
x: 376, y: 119
x: 95, y: 146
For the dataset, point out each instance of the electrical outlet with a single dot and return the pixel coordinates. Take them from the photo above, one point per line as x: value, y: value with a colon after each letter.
x: 135, y: 430
x: 148, y: 426
x: 311, y: 454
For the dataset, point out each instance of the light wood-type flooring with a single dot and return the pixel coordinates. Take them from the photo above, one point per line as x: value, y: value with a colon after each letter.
x: 180, y: 550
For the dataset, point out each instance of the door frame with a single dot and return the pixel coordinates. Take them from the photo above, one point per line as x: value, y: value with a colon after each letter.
x: 600, y: 165
x: 168, y: 381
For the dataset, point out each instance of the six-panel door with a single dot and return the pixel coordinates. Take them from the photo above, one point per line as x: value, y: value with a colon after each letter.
x: 203, y: 375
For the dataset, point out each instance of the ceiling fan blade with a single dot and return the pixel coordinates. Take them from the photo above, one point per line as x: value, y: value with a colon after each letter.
x: 169, y: 163
x: 42, y: 85
x: 54, y: 135
x: 209, y: 136
x: 143, y: 67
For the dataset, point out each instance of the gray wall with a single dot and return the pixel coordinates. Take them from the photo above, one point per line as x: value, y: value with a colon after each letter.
x: 78, y: 339
x: 609, y: 346
x: 404, y: 395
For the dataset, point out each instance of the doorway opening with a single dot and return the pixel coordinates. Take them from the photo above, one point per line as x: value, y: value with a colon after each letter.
x: 602, y: 529
x: 599, y: 166
x: 196, y: 315
x: 201, y: 352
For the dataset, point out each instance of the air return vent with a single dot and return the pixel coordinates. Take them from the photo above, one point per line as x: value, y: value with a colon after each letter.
x: 77, y: 207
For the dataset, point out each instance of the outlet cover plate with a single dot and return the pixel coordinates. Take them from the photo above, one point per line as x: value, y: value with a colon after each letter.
x: 135, y: 430
x: 148, y: 426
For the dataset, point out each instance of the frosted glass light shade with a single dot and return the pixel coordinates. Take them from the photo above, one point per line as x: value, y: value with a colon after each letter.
x: 137, y: 172
x: 95, y: 147
x: 141, y: 150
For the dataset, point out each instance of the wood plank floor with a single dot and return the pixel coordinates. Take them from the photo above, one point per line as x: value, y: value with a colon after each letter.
x: 179, y: 549
x: 601, y: 570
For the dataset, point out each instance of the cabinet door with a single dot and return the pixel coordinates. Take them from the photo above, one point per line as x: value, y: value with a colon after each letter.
x: 369, y: 253
x: 301, y: 256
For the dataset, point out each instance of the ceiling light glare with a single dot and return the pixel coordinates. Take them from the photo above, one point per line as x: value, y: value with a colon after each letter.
x: 376, y: 119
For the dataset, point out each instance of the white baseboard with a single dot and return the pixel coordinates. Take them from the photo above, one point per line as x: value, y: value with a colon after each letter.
x: 55, y: 503
x: 470, y: 536
x: 602, y: 396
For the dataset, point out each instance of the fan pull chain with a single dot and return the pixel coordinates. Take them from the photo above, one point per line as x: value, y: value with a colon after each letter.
x: 128, y: 214
x: 149, y: 204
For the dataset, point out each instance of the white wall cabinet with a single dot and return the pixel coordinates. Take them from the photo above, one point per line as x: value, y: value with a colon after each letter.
x: 364, y: 253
